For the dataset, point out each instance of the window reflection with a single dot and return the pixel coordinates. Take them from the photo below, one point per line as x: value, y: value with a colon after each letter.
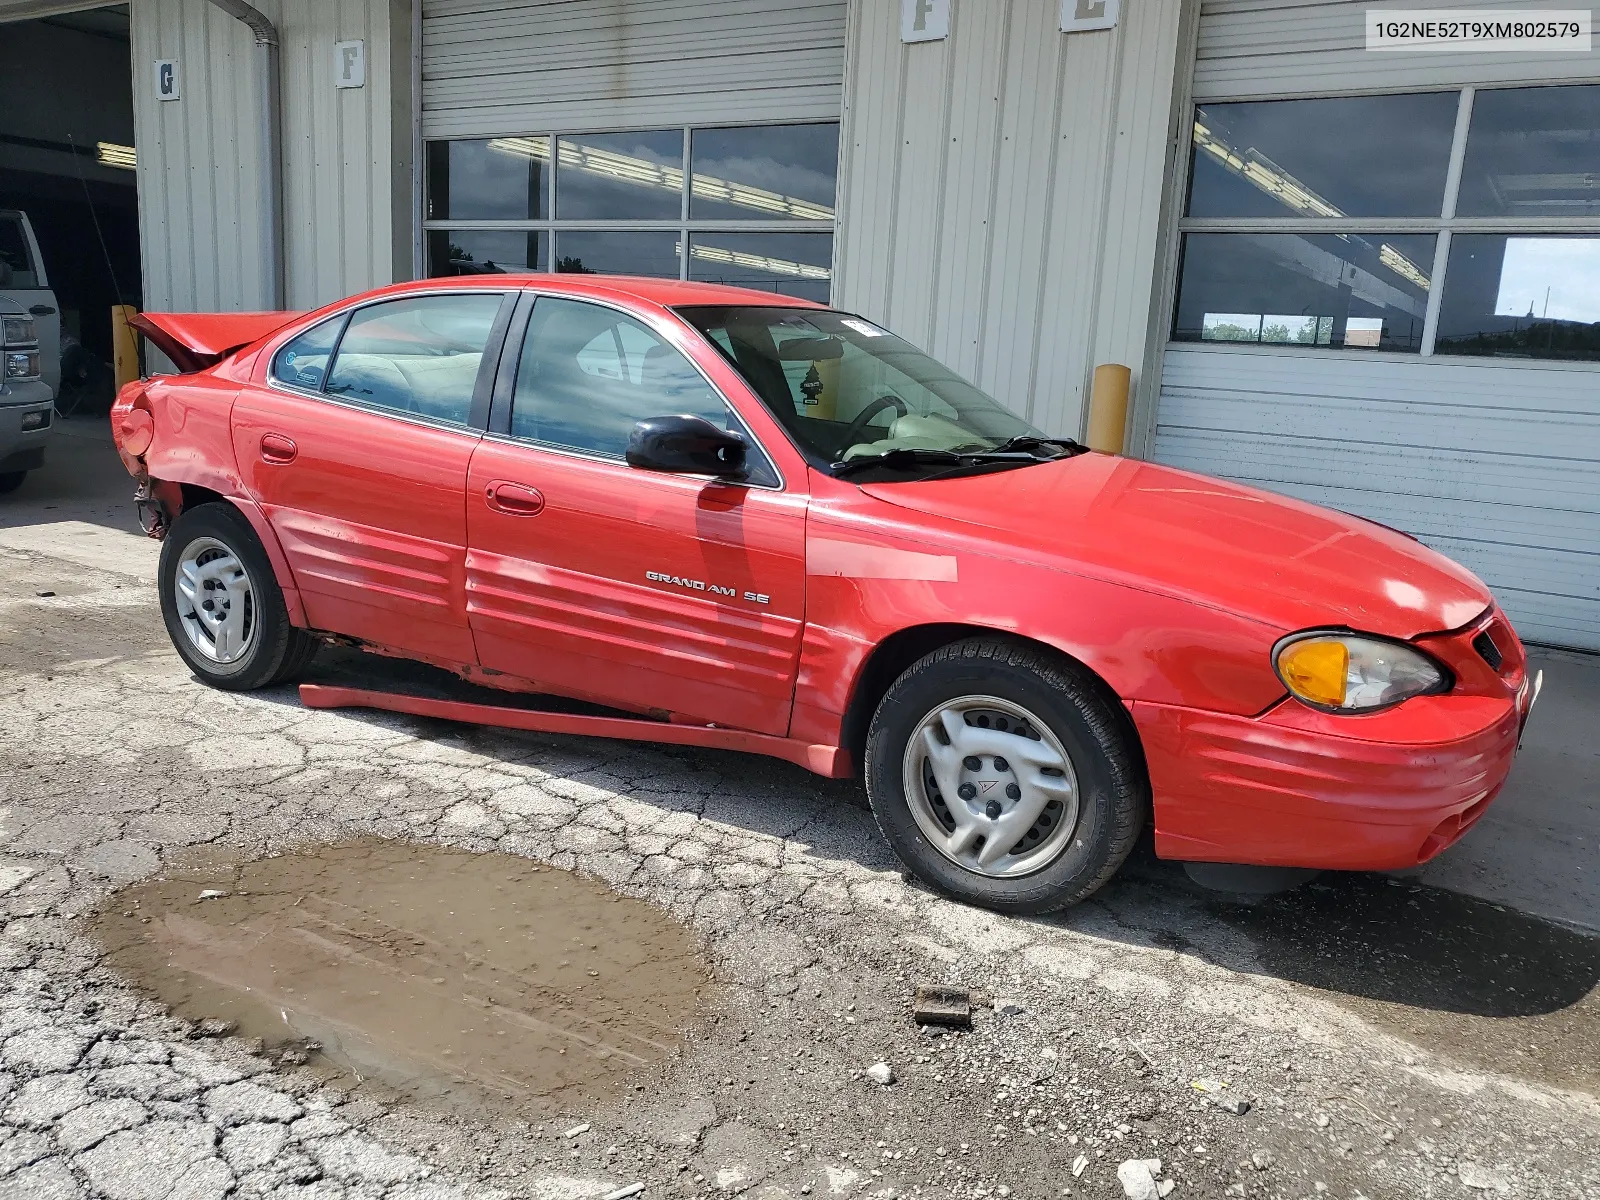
x: 1353, y: 156
x: 1533, y: 152
x: 588, y: 374
x: 484, y: 251
x: 502, y: 179
x: 790, y: 264
x: 1350, y: 291
x: 764, y: 173
x: 617, y: 253
x: 620, y: 176
x: 1522, y: 297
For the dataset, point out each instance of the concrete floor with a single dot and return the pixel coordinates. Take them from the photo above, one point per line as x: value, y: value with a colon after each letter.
x: 1390, y: 1039
x: 1537, y: 850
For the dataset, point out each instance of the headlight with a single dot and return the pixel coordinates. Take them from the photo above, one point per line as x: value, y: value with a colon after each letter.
x: 18, y: 331
x: 21, y: 364
x: 1350, y: 672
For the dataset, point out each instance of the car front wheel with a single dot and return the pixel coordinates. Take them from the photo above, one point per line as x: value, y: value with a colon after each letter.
x: 1005, y: 777
x: 222, y: 605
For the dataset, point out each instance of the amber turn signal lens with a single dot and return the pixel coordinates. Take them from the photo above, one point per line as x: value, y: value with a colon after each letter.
x: 1315, y: 670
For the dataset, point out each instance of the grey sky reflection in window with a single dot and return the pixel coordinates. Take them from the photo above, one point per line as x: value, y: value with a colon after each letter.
x: 764, y: 173
x: 1367, y: 291
x: 617, y: 252
x: 1355, y: 156
x: 501, y: 179
x: 1533, y: 152
x: 484, y: 251
x: 789, y: 264
x: 620, y: 176
x: 1511, y: 296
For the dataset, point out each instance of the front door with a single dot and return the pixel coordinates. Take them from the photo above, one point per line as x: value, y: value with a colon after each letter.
x: 650, y: 592
x: 357, y: 449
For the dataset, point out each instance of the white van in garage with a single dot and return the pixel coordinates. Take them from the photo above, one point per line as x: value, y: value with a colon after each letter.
x: 24, y: 283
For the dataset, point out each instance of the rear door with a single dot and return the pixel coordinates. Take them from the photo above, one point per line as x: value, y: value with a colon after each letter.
x: 357, y: 446
x: 646, y: 591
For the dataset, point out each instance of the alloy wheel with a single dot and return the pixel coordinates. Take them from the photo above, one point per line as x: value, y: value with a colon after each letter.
x: 991, y: 787
x: 216, y: 602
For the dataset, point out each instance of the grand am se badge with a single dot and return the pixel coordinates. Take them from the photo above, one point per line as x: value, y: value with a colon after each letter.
x: 700, y: 585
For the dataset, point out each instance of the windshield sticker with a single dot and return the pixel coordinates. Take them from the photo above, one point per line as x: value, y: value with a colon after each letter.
x: 864, y: 328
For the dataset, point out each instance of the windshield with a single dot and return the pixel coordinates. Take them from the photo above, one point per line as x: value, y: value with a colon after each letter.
x: 847, y: 390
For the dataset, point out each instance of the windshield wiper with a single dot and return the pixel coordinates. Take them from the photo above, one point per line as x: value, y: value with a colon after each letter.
x: 909, y: 456
x: 1028, y: 441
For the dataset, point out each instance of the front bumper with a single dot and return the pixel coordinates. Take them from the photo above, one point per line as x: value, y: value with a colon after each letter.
x: 24, y: 404
x: 1298, y: 788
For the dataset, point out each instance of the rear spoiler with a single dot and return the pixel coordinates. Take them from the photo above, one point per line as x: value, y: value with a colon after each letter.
x: 195, y: 341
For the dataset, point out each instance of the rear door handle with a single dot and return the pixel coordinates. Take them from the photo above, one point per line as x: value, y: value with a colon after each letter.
x: 42, y: 310
x: 513, y: 499
x: 275, y: 448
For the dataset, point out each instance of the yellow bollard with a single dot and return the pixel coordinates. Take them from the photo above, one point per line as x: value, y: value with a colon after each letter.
x: 1108, y: 407
x: 124, y: 345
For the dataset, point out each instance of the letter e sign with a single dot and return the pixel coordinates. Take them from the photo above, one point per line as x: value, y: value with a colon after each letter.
x: 1077, y: 16
x: 924, y: 20
x: 349, y: 64
x: 166, y: 78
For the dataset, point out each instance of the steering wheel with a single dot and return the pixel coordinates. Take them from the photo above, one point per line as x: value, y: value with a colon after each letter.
x: 853, y: 434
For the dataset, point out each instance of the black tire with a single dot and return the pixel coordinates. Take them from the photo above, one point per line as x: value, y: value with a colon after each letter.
x: 279, y: 651
x: 1113, y: 787
x: 10, y: 481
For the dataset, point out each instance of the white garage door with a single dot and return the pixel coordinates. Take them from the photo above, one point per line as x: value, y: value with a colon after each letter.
x: 1389, y: 294
x: 694, y: 139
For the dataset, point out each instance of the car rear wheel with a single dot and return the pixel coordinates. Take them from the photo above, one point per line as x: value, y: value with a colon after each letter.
x: 1005, y: 777
x: 10, y: 481
x: 222, y: 605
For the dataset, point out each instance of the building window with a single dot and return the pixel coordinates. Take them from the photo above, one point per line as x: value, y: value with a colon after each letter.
x: 745, y: 205
x: 1369, y: 223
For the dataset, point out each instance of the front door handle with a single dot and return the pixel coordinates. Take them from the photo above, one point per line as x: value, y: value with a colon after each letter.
x: 277, y: 449
x: 513, y: 499
x: 42, y: 310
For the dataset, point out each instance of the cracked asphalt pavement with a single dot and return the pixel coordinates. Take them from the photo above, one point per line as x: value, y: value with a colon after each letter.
x: 1388, y: 1040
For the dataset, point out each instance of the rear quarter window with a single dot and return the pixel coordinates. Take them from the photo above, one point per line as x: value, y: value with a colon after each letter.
x: 303, y: 361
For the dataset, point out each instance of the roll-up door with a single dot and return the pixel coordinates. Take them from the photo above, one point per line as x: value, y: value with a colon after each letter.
x: 689, y: 139
x: 1385, y: 300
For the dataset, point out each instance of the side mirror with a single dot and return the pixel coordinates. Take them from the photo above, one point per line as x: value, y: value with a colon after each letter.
x: 686, y: 445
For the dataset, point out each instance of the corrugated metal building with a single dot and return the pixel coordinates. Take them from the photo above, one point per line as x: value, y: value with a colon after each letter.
x: 1363, y: 278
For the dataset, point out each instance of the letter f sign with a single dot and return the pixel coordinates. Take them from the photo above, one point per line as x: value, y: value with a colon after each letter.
x: 924, y: 20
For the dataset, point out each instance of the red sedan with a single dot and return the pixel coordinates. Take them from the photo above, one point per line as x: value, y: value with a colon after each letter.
x: 744, y: 521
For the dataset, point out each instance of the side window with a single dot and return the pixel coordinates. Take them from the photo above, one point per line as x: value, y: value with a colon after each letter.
x: 416, y: 356
x: 16, y: 260
x: 304, y: 361
x: 588, y: 374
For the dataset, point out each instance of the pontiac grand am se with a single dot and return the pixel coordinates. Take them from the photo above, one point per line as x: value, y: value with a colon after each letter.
x: 742, y: 521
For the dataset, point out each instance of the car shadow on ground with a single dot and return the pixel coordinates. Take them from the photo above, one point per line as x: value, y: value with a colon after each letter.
x: 1496, y: 987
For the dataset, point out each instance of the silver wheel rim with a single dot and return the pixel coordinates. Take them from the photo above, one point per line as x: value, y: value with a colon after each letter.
x: 991, y: 787
x: 216, y: 603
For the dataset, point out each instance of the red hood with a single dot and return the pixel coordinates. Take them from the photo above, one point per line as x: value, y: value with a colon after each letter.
x: 1289, y: 564
x: 195, y: 341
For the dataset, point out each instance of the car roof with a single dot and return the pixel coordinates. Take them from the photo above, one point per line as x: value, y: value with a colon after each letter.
x: 665, y: 292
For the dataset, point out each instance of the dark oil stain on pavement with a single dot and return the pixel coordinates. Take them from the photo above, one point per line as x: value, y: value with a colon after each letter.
x: 1488, y: 987
x: 478, y: 980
